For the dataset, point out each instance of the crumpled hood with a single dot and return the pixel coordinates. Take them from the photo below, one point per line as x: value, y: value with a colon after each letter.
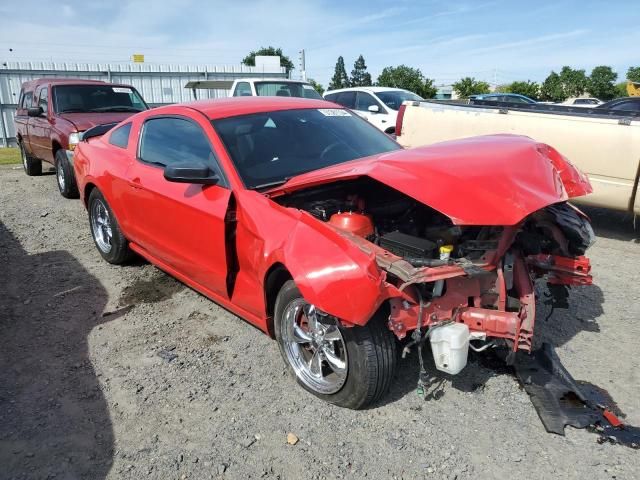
x: 85, y: 121
x: 488, y: 180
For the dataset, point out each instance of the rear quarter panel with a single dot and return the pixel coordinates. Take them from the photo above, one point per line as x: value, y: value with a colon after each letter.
x: 104, y: 166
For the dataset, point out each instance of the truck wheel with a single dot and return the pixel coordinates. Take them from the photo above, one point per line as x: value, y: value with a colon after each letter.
x: 32, y: 166
x: 349, y: 367
x: 65, y: 176
x: 105, y: 230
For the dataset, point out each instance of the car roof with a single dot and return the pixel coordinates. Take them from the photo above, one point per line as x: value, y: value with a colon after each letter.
x: 233, y: 106
x: 367, y: 89
x: 620, y: 100
x: 275, y: 79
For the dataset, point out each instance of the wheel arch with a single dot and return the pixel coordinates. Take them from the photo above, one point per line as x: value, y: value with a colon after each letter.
x: 88, y: 188
x: 274, y: 279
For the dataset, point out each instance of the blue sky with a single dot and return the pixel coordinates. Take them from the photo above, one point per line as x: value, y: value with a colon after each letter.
x: 498, y: 40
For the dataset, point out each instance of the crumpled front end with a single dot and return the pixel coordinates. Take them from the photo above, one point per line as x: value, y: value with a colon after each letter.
x: 437, y: 273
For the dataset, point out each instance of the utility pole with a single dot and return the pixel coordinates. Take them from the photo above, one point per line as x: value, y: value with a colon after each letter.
x: 301, y: 64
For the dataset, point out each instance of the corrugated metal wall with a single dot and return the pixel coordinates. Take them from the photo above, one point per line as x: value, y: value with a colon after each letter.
x: 158, y: 84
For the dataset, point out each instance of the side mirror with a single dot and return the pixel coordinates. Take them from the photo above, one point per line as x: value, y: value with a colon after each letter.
x: 374, y: 108
x: 195, y: 173
x: 35, y: 111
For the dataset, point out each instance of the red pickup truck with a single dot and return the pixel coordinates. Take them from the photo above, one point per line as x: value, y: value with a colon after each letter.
x: 52, y: 114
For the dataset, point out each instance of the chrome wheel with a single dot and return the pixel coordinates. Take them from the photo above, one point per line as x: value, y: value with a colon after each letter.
x: 314, y: 347
x: 60, y: 176
x: 101, y: 226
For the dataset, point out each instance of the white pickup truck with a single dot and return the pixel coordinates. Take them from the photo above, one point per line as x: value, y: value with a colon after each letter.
x: 251, y: 87
x: 604, y: 145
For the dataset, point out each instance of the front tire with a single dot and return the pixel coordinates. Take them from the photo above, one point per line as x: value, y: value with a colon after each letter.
x: 32, y: 166
x: 111, y: 244
x: 65, y: 176
x: 349, y: 367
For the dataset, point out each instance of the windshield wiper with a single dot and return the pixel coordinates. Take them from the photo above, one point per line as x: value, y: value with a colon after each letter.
x: 270, y: 184
x: 73, y: 110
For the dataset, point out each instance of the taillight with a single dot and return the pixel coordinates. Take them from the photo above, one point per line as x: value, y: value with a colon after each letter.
x: 399, y: 119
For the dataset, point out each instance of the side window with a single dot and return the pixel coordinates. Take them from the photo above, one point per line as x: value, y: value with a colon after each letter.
x: 175, y: 141
x: 347, y: 99
x: 364, y: 101
x: 44, y: 99
x: 627, y: 106
x: 26, y: 100
x: 331, y: 97
x: 243, y: 89
x: 120, y: 136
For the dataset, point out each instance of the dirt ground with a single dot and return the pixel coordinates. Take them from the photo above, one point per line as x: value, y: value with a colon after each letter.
x: 123, y: 373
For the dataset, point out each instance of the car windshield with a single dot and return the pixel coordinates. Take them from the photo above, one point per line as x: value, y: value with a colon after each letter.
x: 394, y: 98
x: 97, y: 98
x: 269, y: 148
x: 286, y: 89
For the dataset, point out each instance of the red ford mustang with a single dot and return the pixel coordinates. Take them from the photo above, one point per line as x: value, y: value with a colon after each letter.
x: 319, y: 229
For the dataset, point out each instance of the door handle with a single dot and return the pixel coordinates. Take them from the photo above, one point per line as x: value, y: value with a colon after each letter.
x: 135, y: 182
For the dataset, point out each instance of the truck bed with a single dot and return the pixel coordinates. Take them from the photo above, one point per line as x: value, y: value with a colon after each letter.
x: 603, y: 144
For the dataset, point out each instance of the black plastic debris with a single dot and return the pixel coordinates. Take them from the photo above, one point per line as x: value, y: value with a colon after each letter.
x: 560, y: 400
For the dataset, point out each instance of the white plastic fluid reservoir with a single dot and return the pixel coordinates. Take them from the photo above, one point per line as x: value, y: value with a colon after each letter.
x: 450, y: 347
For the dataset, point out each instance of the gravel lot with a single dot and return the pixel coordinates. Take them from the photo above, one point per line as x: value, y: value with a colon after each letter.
x: 124, y: 373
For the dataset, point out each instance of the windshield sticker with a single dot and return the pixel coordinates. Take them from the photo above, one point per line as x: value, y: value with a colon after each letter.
x: 120, y: 90
x: 334, y: 112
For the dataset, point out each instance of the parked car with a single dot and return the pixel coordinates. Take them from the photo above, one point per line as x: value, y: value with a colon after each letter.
x: 317, y: 228
x: 588, y: 102
x: 52, y: 114
x: 604, y: 143
x: 628, y: 104
x: 378, y: 105
x: 503, y: 97
x: 257, y: 87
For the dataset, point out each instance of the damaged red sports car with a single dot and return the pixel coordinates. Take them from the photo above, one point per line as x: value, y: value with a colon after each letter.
x: 322, y: 231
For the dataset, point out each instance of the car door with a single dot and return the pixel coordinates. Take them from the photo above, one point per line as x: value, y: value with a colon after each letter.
x: 40, y: 128
x: 180, y: 224
x: 379, y: 119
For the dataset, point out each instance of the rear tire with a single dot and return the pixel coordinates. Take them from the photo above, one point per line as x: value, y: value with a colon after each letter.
x: 32, y: 166
x: 111, y: 244
x: 370, y: 353
x: 65, y: 176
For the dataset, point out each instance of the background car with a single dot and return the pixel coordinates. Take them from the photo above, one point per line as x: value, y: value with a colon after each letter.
x: 378, y: 105
x: 588, y: 102
x: 256, y: 87
x: 53, y: 112
x: 629, y: 104
x: 503, y: 97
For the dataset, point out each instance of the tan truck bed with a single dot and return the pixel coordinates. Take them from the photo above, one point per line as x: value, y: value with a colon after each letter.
x: 606, y: 149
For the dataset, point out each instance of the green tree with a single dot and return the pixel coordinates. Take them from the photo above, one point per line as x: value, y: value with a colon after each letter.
x: 359, y: 75
x: 633, y: 74
x: 468, y: 86
x: 552, y: 89
x: 601, y: 82
x: 528, y: 89
x: 574, y: 82
x: 340, y: 78
x: 317, y: 87
x: 429, y: 90
x: 250, y: 60
x: 407, y: 78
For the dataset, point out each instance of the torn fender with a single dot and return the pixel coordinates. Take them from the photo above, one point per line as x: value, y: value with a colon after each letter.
x: 331, y: 272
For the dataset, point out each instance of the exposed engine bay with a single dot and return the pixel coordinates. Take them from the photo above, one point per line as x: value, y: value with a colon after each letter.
x: 440, y: 274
